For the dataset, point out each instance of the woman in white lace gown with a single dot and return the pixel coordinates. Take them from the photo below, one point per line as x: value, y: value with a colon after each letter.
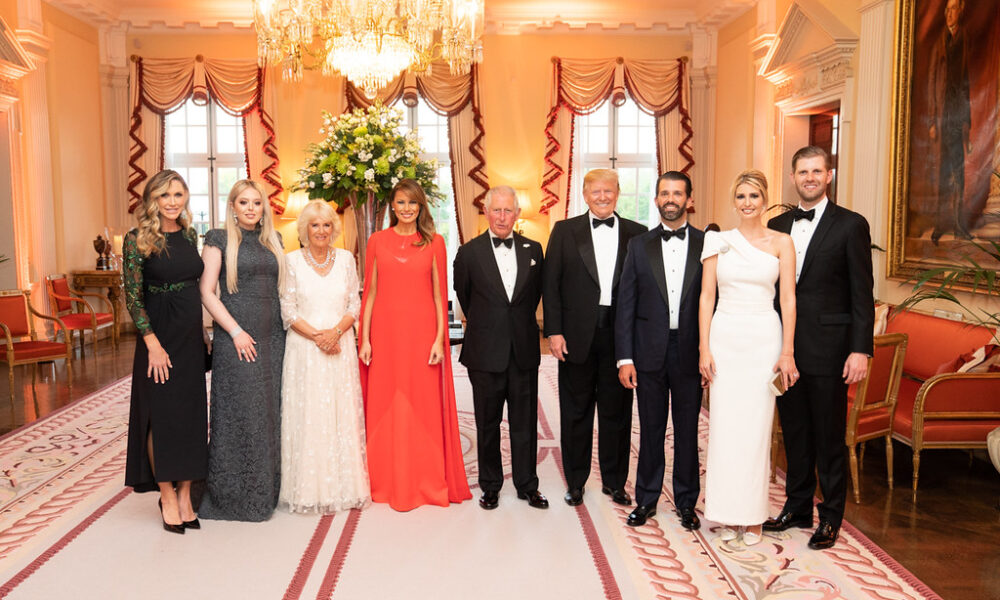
x: 743, y: 344
x: 323, y: 464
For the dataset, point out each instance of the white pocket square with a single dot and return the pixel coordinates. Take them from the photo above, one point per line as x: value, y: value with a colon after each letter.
x: 533, y: 263
x: 526, y: 245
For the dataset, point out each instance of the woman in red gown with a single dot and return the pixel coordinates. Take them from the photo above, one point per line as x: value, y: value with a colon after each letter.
x: 414, y: 449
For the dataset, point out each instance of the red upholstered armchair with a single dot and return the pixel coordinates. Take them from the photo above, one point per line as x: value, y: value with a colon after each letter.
x: 16, y: 323
x: 64, y: 299
x: 872, y: 402
x: 946, y: 410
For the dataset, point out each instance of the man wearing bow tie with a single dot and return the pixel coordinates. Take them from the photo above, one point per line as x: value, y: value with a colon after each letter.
x: 583, y: 264
x: 835, y: 318
x: 498, y: 281
x: 656, y: 344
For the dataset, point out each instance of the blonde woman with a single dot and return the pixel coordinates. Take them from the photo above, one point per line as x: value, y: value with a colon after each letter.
x: 323, y: 467
x: 167, y: 433
x: 743, y: 344
x: 246, y: 262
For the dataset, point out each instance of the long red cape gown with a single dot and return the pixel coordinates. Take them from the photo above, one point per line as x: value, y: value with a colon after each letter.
x: 414, y: 449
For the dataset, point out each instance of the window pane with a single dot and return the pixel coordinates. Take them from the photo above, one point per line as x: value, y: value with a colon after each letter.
x: 628, y: 113
x: 226, y: 140
x: 597, y: 140
x: 628, y: 141
x: 194, y: 114
x: 198, y: 181
x: 200, y: 208
x: 227, y: 176
x: 197, y: 140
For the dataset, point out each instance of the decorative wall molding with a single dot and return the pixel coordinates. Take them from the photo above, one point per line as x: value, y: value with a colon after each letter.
x: 796, y: 74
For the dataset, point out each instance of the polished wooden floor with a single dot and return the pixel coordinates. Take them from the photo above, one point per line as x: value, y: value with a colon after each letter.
x: 949, y: 536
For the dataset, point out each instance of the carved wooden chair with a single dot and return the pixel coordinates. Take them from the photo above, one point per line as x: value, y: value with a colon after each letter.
x: 63, y: 300
x: 16, y: 323
x: 871, y: 404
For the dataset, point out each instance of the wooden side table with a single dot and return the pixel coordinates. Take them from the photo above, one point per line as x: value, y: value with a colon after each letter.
x: 111, y: 280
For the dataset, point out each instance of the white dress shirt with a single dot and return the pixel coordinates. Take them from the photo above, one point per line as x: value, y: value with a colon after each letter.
x: 674, y: 260
x: 802, y: 232
x: 507, y: 263
x: 605, y: 253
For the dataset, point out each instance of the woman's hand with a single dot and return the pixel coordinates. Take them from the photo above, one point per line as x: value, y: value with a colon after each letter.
x: 159, y: 364
x: 365, y: 352
x: 437, y: 353
x: 245, y: 347
x: 789, y: 372
x: 328, y: 340
x: 706, y: 366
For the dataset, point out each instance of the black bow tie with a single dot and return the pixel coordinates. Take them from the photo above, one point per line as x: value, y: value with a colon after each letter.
x: 610, y: 222
x: 666, y: 234
x: 509, y: 242
x: 798, y: 213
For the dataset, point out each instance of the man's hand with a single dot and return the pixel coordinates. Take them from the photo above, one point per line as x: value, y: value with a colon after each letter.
x: 855, y: 368
x: 626, y: 375
x: 557, y: 346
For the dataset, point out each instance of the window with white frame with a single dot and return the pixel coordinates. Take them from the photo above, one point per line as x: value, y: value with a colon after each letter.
x: 204, y: 144
x: 621, y: 138
x: 432, y: 129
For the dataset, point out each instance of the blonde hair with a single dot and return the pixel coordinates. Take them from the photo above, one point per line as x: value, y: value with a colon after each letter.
x: 600, y: 175
x: 149, y: 238
x: 234, y: 234
x: 751, y: 177
x: 312, y: 210
x: 425, y: 220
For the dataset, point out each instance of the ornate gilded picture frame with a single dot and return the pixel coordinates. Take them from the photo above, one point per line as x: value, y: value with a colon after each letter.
x: 945, y: 190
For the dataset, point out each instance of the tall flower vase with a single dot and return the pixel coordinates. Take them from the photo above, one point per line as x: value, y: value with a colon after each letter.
x: 368, y: 218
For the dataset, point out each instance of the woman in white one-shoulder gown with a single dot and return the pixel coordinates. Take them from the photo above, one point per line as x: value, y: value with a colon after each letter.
x: 743, y: 343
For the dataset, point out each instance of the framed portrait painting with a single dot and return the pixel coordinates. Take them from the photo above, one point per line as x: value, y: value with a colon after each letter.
x: 946, y: 148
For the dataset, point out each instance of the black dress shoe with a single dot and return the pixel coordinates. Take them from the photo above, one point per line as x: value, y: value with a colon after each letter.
x: 640, y: 514
x: 534, y: 498
x: 787, y: 520
x: 489, y: 500
x: 167, y: 526
x: 192, y: 524
x: 574, y: 496
x: 689, y: 520
x: 825, y: 536
x: 619, y: 496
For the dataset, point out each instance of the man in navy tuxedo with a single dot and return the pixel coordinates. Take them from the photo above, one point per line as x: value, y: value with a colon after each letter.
x: 656, y: 345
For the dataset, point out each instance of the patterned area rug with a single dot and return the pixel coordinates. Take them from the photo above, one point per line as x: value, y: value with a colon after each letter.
x: 69, y: 529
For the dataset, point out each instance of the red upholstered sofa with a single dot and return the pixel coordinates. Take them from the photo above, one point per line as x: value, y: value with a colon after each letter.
x: 948, y: 410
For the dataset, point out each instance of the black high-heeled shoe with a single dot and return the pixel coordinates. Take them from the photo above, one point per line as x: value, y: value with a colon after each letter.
x: 192, y: 524
x: 167, y: 526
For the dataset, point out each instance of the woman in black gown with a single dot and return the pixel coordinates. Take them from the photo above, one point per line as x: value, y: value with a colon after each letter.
x: 245, y: 260
x: 168, y: 419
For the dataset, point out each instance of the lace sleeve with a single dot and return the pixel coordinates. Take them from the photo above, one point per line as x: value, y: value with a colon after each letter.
x: 132, y: 275
x: 353, y: 293
x: 289, y: 302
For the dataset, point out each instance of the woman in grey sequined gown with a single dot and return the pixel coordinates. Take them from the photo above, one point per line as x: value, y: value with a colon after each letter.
x: 244, y: 463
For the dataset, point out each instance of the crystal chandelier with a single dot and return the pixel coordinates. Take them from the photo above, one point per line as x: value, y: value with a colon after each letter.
x: 368, y: 41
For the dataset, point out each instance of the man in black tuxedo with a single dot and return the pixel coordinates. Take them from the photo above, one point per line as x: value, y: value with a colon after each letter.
x: 583, y: 264
x: 656, y: 344
x: 833, y: 339
x: 498, y: 281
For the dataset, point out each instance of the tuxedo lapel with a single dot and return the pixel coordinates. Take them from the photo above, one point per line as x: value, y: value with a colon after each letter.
x: 695, y: 244
x: 585, y: 245
x: 654, y: 252
x: 622, y: 251
x: 488, y: 262
x: 523, y: 253
x: 822, y: 228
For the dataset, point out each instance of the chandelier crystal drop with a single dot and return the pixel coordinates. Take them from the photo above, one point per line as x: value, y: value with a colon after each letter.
x: 368, y: 41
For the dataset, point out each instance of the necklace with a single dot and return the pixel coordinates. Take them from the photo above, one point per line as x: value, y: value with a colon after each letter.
x: 317, y: 265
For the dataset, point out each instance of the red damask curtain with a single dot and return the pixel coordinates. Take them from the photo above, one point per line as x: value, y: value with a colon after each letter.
x: 159, y: 86
x: 457, y: 97
x: 581, y: 86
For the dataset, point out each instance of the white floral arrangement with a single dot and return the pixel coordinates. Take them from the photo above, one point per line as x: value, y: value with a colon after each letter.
x: 365, y: 150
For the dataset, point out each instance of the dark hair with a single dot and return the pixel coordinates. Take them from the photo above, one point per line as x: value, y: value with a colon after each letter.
x: 713, y: 227
x: 810, y: 152
x: 425, y: 221
x: 674, y: 176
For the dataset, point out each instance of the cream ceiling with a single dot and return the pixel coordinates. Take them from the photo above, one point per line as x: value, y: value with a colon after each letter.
x: 502, y: 16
